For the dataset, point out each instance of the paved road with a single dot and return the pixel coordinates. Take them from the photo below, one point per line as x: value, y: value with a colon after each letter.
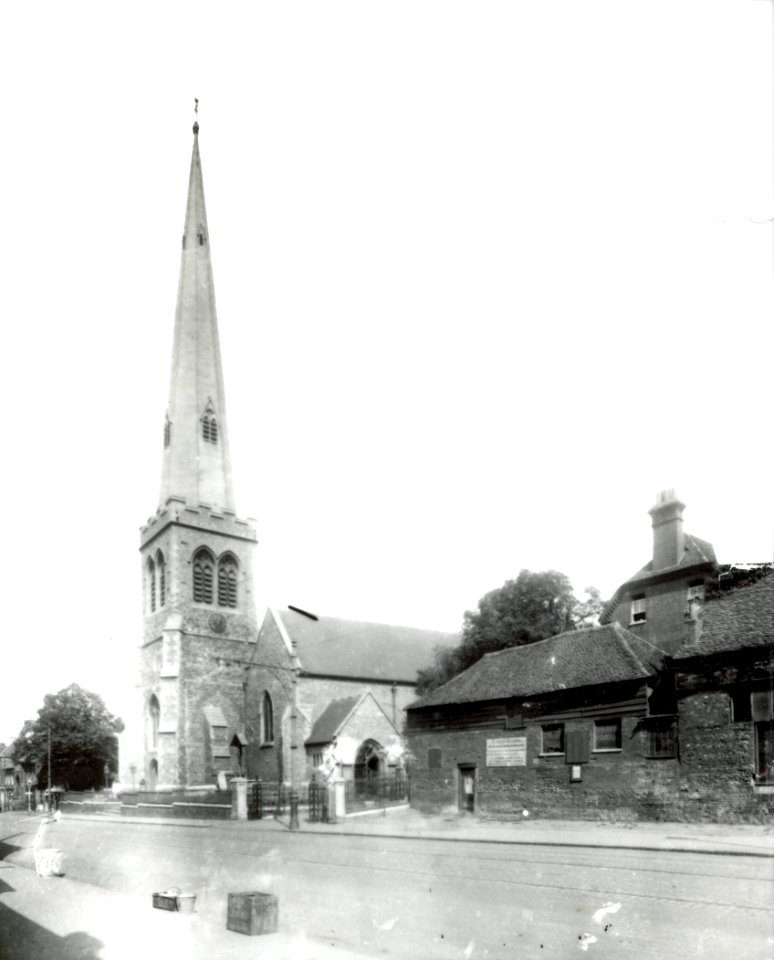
x: 434, y: 899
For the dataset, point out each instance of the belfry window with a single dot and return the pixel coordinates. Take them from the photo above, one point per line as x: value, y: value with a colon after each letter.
x: 161, y: 567
x: 203, y: 565
x: 152, y: 583
x: 227, y: 582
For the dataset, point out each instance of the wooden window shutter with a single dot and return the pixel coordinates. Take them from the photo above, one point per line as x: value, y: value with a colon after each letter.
x: 576, y: 746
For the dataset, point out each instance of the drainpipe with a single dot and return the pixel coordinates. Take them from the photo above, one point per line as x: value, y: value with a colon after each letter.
x: 394, y: 704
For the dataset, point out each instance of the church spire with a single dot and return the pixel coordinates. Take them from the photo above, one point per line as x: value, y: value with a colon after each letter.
x: 196, y: 465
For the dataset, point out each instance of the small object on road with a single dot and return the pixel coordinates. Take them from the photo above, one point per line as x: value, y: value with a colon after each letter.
x: 48, y: 860
x: 252, y: 913
x: 166, y: 900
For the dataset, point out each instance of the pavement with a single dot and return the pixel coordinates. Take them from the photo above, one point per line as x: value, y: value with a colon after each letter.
x: 65, y: 919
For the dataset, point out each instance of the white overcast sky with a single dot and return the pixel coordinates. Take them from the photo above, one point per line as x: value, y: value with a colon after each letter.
x: 489, y: 275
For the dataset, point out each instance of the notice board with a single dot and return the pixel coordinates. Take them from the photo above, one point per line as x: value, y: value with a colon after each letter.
x: 506, y: 752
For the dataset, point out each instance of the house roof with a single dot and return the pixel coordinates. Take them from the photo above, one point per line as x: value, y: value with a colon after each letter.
x: 578, y: 658
x: 696, y: 553
x: 742, y: 618
x: 329, y: 646
x: 331, y: 720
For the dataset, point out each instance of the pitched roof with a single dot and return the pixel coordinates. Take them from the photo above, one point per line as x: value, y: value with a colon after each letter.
x: 578, y: 658
x: 331, y: 720
x: 696, y: 553
x: 743, y: 618
x: 329, y: 646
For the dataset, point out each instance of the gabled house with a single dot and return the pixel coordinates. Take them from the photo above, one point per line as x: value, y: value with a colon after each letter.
x: 656, y: 603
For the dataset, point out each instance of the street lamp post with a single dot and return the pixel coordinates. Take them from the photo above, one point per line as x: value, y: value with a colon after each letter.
x: 293, y: 824
x: 49, y: 767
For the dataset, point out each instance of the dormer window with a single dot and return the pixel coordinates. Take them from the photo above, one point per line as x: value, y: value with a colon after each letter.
x: 639, y: 611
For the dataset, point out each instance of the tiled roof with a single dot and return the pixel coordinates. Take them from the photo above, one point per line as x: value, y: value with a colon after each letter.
x: 328, y: 646
x: 696, y: 553
x: 578, y: 658
x: 743, y: 618
x: 330, y: 720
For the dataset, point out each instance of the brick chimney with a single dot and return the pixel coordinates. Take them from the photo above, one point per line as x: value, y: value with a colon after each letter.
x: 668, y: 538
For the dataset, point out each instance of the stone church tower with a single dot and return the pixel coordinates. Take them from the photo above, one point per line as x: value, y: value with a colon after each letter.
x: 198, y: 601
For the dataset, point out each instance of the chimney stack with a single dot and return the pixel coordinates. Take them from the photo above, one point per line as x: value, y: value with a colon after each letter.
x: 668, y: 537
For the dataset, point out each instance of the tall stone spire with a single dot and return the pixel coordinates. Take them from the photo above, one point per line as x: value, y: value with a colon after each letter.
x: 197, y: 464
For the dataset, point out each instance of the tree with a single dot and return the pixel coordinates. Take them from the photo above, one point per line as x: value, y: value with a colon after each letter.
x: 587, y: 612
x: 74, y: 728
x: 531, y: 607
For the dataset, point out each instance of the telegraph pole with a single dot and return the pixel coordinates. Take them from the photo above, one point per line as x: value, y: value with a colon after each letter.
x: 49, y: 767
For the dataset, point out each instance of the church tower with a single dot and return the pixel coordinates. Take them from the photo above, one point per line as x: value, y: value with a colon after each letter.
x: 198, y: 601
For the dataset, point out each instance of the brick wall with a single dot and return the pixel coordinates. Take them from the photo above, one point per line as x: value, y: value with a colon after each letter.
x: 621, y: 785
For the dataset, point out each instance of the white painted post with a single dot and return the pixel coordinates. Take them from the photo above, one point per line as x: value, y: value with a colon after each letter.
x: 238, y: 798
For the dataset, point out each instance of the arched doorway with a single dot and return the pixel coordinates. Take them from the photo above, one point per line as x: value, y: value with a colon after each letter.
x: 369, y: 764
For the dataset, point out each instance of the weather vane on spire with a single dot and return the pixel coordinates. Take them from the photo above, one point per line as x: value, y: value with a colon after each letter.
x: 196, y: 108
x: 196, y: 112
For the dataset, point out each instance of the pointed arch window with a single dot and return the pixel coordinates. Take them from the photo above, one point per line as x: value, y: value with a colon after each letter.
x: 210, y: 428
x: 152, y: 584
x: 154, y: 711
x: 267, y: 719
x: 227, y: 581
x: 210, y: 424
x: 167, y: 432
x: 203, y: 566
x: 161, y: 569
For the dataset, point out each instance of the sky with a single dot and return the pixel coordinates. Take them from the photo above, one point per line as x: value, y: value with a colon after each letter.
x: 488, y: 277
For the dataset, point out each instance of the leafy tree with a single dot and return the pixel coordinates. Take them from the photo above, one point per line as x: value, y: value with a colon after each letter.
x: 531, y: 607
x: 587, y: 612
x: 81, y: 733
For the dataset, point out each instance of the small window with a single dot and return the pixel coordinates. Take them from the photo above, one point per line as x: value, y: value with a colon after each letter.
x: 607, y: 734
x: 662, y: 738
x: 154, y: 711
x: 514, y: 718
x: 639, y: 613
x: 167, y: 433
x: 764, y: 752
x: 552, y: 738
x: 267, y: 719
x: 740, y: 705
x: 434, y: 757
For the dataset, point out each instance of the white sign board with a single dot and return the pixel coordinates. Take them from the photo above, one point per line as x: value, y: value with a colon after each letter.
x: 506, y: 752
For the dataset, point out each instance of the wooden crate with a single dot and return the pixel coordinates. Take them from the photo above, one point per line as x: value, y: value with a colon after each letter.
x: 252, y: 913
x: 163, y: 901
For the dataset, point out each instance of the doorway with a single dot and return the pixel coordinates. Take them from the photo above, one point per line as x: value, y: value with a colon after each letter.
x: 467, y: 788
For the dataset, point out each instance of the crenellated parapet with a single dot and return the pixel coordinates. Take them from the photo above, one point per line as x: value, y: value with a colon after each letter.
x: 202, y: 517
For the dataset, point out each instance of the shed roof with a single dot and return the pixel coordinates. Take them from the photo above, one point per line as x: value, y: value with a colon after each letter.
x: 577, y: 658
x: 743, y: 618
x: 329, y: 646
